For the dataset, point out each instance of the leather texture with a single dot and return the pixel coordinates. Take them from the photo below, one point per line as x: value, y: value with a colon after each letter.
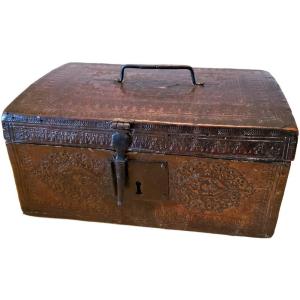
x: 154, y: 150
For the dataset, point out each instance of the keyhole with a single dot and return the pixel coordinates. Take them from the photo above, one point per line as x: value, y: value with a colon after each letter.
x: 138, y: 187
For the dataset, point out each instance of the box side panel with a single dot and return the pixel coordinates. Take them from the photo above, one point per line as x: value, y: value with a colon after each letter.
x: 210, y: 195
x: 18, y: 174
x: 276, y: 196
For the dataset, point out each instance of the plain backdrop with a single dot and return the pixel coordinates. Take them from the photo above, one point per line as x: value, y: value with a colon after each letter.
x: 44, y: 258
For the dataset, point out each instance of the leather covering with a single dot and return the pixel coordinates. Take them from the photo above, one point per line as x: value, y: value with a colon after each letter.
x: 237, y: 114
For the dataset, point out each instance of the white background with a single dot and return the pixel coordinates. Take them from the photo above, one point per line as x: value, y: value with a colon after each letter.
x: 58, y: 259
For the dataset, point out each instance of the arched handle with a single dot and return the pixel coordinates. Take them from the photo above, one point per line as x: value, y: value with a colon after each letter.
x: 160, y: 67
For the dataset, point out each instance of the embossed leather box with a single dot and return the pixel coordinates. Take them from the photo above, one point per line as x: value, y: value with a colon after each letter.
x: 155, y: 148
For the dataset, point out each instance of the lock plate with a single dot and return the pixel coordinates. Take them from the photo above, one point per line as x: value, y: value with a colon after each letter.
x: 147, y: 181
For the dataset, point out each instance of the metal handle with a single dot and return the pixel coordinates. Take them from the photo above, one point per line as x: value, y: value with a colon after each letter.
x: 160, y: 67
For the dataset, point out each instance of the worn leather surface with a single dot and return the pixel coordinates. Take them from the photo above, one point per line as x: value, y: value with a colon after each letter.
x: 234, y: 98
x: 224, y: 148
x: 212, y: 195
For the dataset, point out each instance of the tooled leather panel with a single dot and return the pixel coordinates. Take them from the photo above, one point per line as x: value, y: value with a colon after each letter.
x: 238, y: 143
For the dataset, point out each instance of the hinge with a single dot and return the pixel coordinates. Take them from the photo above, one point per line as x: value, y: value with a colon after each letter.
x: 120, y: 125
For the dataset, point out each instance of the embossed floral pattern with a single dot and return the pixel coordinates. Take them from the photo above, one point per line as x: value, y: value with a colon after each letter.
x: 209, y: 186
x: 79, y: 181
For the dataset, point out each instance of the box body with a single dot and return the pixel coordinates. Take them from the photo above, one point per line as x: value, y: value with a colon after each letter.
x: 214, y: 158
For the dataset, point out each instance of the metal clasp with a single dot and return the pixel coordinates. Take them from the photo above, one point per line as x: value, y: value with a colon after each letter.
x: 120, y: 143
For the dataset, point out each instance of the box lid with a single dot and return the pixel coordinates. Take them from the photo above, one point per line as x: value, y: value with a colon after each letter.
x: 236, y: 114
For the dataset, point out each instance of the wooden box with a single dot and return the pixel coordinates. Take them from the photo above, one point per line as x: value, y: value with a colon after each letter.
x: 154, y: 148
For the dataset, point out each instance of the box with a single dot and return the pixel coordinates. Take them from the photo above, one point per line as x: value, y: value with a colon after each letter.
x: 160, y: 146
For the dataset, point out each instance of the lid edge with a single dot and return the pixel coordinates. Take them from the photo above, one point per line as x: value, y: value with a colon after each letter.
x: 246, y: 143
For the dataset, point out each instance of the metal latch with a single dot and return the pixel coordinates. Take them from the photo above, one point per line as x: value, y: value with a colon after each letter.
x: 120, y: 143
x: 136, y: 180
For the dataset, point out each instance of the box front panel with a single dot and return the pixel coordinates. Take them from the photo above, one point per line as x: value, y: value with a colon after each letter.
x: 167, y: 191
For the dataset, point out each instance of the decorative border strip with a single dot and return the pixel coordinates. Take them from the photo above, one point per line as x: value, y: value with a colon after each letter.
x: 166, y: 128
x: 238, y: 143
